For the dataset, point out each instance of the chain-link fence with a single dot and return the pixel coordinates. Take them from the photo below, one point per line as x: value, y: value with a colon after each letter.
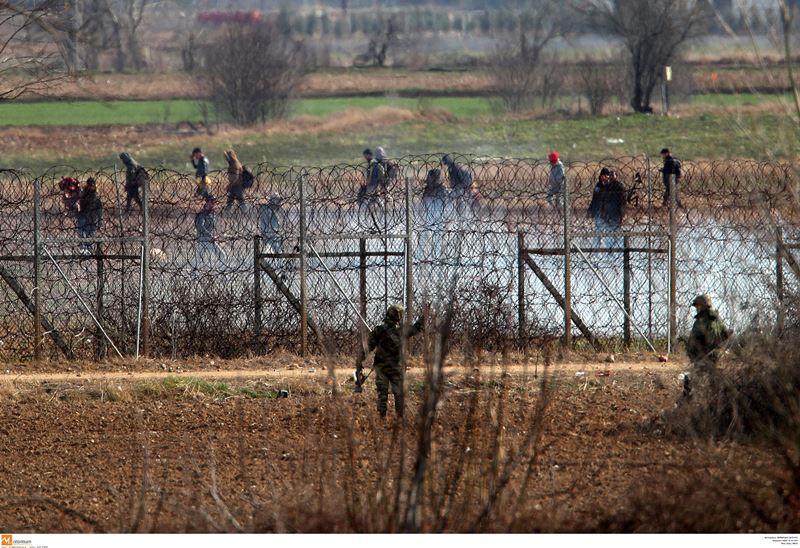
x: 236, y: 277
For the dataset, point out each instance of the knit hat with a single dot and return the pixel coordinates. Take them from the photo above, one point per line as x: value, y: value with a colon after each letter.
x: 553, y: 157
x: 380, y: 154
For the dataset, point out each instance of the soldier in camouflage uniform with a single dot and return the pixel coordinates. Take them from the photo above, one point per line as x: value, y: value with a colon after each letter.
x: 386, y: 339
x: 705, y: 341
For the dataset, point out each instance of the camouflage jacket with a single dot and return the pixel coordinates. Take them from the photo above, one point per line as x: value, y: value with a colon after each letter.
x: 386, y: 338
x: 708, y: 334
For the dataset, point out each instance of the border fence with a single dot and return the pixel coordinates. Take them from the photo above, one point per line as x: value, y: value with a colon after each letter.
x: 308, y: 257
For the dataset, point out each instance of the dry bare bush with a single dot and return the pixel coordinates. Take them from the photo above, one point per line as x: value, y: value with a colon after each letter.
x: 753, y: 398
x: 652, y: 34
x: 252, y: 72
x: 34, y: 48
x: 520, y: 70
x: 599, y: 81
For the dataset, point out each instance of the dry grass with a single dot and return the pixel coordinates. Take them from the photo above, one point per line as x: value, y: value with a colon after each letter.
x: 176, y: 85
x: 97, y: 141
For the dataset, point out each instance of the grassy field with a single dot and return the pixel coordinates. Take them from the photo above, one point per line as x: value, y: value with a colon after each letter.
x: 173, y: 111
x: 66, y: 113
x: 762, y: 137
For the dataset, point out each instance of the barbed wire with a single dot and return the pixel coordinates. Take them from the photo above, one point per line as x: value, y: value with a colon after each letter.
x: 468, y: 219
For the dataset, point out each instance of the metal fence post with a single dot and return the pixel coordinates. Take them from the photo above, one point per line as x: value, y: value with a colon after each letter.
x: 522, y: 328
x: 567, y: 266
x: 362, y: 296
x: 257, y: 304
x: 146, y: 268
x: 409, y: 296
x: 673, y: 263
x: 100, y: 341
x: 779, y: 284
x: 626, y: 290
x: 303, y: 270
x: 649, y: 248
x: 37, y: 270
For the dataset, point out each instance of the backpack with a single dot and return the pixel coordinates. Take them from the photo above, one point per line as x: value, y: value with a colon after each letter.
x: 676, y: 168
x: 140, y: 176
x: 247, y: 178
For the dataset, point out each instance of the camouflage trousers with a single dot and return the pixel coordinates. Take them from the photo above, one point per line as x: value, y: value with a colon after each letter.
x: 704, y: 371
x: 389, y: 376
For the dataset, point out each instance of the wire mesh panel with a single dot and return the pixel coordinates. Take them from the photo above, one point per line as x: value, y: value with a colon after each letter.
x: 225, y: 275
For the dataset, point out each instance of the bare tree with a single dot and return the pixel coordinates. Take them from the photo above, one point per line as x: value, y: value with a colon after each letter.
x: 113, y: 25
x: 787, y: 18
x: 599, y: 81
x: 516, y: 67
x: 251, y: 71
x: 33, y: 56
x: 652, y: 32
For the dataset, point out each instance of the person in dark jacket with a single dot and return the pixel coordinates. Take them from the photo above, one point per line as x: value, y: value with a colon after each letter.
x: 385, y: 339
x: 206, y: 225
x: 608, y: 206
x: 235, y: 189
x: 90, y: 214
x: 372, y: 180
x: 371, y: 211
x: 200, y: 163
x: 670, y: 171
x: 135, y: 178
x: 462, y: 192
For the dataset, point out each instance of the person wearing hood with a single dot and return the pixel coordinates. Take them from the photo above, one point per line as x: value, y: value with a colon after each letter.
x: 462, y: 192
x: 235, y: 189
x: 90, y: 214
x: 386, y: 340
x: 205, y: 223
x: 135, y: 178
x: 389, y: 169
x: 555, y: 194
x: 270, y: 222
x: 704, y: 345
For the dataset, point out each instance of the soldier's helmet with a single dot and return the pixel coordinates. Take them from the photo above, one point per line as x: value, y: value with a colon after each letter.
x: 395, y: 312
x: 703, y: 299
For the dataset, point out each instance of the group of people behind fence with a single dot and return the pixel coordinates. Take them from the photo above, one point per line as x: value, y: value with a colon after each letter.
x: 460, y: 196
x: 610, y: 196
x: 85, y: 206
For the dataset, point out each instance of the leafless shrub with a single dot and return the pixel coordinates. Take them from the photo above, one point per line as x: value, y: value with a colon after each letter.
x: 754, y: 397
x: 598, y: 81
x: 520, y: 70
x: 252, y: 72
x: 385, y: 36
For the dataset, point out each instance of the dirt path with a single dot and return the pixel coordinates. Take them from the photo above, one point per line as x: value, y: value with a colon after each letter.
x: 317, y: 372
